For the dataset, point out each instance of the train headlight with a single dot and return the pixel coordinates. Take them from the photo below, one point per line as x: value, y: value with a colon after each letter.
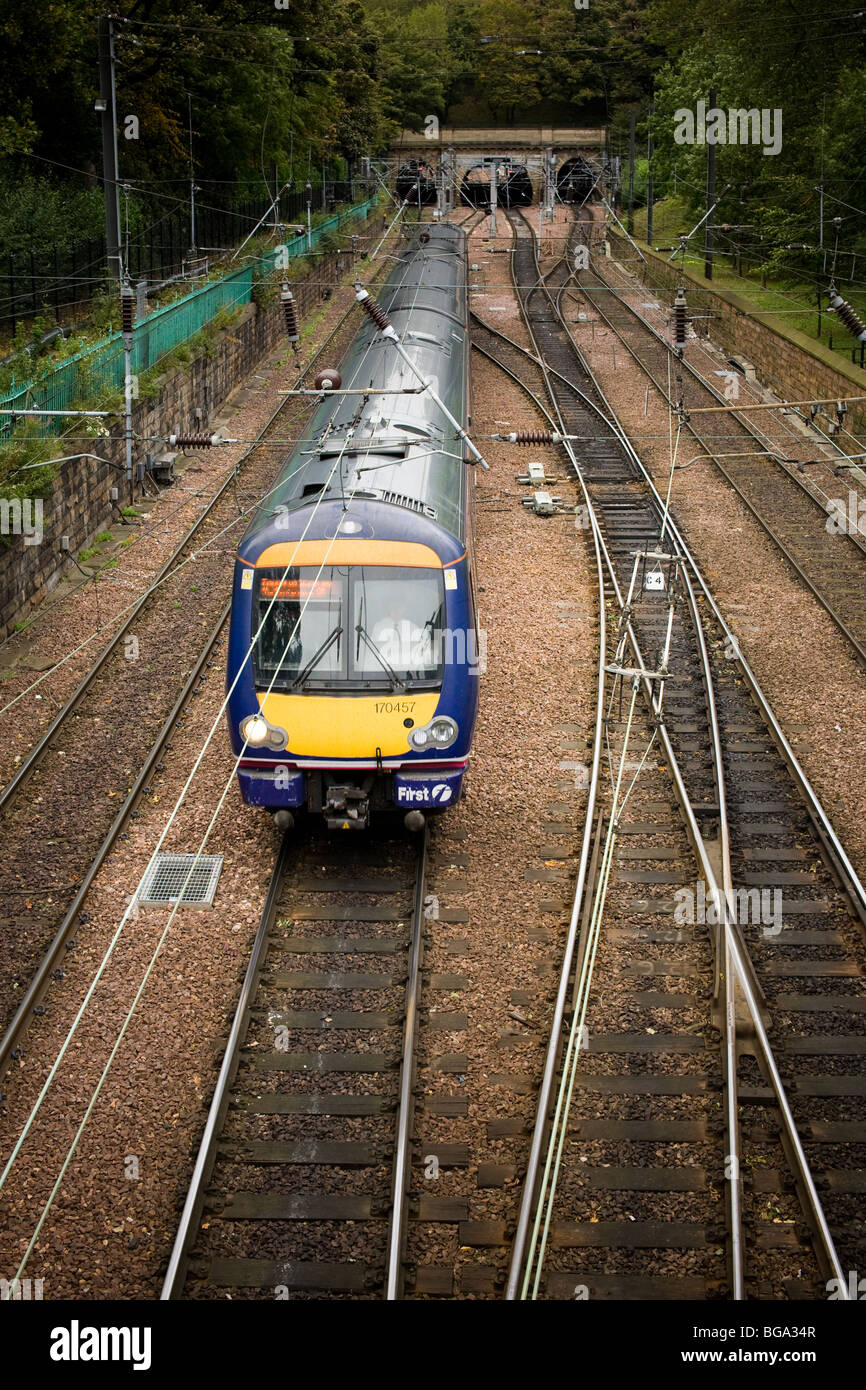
x: 257, y: 732
x: 441, y: 733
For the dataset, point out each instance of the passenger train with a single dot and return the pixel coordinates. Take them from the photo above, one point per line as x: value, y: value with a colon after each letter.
x: 354, y: 657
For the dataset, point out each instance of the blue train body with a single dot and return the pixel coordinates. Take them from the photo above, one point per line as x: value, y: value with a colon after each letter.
x: 354, y: 655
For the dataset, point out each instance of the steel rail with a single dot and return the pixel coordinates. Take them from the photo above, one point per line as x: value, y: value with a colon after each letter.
x: 723, y: 973
x: 843, y: 866
x: 734, y: 951
x: 734, y: 948
x: 544, y: 1197
x: 405, y: 1107
x: 747, y: 425
x: 533, y: 1164
x: 844, y: 869
x: 656, y: 286
x: 194, y: 1204
x: 40, y: 982
x: 188, y: 1226
x: 760, y: 438
x: 553, y: 1048
x: 49, y: 964
x: 701, y: 380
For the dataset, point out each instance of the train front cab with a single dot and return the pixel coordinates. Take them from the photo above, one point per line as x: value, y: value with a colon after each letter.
x: 362, y: 689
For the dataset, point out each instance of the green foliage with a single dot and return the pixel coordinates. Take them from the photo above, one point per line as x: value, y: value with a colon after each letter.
x: 512, y: 61
x: 257, y: 97
x: 37, y: 213
x: 774, y: 57
x: 201, y: 344
x: 264, y: 289
x: 23, y: 470
x: 330, y: 80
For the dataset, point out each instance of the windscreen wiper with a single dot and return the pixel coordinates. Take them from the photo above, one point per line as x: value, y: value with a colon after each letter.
x: 317, y: 656
x: 398, y: 684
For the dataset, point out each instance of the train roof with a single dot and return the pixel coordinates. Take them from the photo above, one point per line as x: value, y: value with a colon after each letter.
x: 395, y: 449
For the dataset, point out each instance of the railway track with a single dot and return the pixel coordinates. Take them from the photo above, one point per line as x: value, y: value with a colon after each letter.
x: 678, y: 1109
x: 792, y: 510
x: 302, y: 1185
x: 102, y: 752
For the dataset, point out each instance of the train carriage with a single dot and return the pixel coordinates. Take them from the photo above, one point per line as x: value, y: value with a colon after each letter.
x: 354, y: 656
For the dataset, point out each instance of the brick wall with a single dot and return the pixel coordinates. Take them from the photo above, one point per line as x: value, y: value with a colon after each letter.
x: 793, y: 365
x: 80, y: 504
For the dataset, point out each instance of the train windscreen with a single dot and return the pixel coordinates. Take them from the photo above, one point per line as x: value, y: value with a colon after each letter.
x: 361, y: 627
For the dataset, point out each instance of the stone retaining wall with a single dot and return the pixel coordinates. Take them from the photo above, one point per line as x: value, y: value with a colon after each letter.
x: 793, y: 365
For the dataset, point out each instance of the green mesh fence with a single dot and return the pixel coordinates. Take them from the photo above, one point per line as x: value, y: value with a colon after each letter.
x: 99, y: 369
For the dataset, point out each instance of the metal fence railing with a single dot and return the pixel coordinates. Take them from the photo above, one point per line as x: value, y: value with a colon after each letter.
x: 98, y: 371
x: 59, y: 280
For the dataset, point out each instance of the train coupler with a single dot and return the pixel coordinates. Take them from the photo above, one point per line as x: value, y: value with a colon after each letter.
x: 347, y: 808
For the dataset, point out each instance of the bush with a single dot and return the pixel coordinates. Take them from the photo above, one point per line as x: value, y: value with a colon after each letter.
x: 36, y: 213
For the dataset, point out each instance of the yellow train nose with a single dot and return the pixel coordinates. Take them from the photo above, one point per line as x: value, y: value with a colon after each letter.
x: 349, y: 726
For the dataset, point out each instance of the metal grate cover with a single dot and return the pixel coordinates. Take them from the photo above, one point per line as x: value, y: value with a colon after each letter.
x: 166, y: 877
x: 399, y: 499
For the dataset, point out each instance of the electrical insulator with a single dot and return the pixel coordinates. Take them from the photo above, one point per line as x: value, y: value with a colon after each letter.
x: 843, y: 310
x: 530, y: 437
x: 290, y: 313
x: 327, y: 380
x: 372, y: 309
x: 533, y: 437
x: 193, y: 441
x: 680, y: 320
x: 127, y: 309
